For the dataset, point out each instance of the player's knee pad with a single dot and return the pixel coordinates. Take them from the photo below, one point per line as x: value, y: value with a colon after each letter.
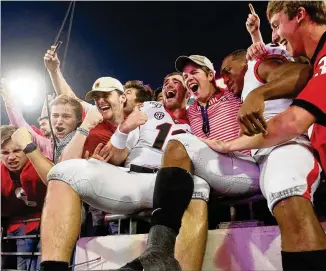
x: 283, y: 177
x: 172, y: 194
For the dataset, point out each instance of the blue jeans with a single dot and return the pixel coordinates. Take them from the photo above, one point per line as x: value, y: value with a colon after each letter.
x: 26, y: 245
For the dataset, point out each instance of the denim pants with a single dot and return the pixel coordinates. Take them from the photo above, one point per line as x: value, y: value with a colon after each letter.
x: 26, y: 245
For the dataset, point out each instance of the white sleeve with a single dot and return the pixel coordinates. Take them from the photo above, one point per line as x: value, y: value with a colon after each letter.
x: 87, y: 106
x: 133, y: 138
x: 278, y: 49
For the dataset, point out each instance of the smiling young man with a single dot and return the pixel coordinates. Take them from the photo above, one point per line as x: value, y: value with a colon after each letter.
x: 289, y: 172
x: 139, y: 141
x: 188, y: 154
x: 302, y: 24
x: 136, y: 93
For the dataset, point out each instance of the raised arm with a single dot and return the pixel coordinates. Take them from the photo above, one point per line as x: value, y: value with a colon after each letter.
x: 42, y: 165
x: 253, y: 25
x: 52, y: 63
x: 16, y: 119
x: 60, y: 85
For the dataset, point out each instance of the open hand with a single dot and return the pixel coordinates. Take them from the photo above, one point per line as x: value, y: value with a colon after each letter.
x: 51, y: 60
x: 134, y: 120
x: 217, y: 145
x: 251, y: 115
x: 102, y: 152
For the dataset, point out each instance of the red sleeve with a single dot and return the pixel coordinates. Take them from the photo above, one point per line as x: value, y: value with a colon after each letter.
x: 313, y: 98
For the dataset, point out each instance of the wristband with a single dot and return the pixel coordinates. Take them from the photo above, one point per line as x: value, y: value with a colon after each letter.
x: 119, y: 140
x: 30, y: 148
x: 83, y: 131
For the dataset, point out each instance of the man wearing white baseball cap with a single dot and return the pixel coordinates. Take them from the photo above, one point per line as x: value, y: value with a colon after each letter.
x: 201, y: 61
x: 212, y: 115
x: 104, y: 84
x: 108, y: 95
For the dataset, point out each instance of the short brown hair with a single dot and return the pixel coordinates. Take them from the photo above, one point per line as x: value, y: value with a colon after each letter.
x: 143, y: 92
x: 6, y: 133
x: 156, y: 93
x: 76, y: 105
x: 315, y: 9
x: 42, y: 118
x: 205, y: 69
x: 171, y: 74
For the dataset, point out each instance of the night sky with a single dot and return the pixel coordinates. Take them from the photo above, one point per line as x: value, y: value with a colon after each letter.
x: 126, y: 40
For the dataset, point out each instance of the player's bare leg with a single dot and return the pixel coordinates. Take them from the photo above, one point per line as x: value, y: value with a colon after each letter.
x: 60, y: 225
x: 173, y: 191
x: 300, y: 232
x: 191, y: 241
x: 194, y: 227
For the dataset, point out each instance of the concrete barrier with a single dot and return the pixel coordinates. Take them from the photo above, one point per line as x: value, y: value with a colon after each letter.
x: 234, y: 249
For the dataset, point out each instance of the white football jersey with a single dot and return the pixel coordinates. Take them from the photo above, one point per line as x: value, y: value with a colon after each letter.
x: 252, y: 81
x: 146, y: 144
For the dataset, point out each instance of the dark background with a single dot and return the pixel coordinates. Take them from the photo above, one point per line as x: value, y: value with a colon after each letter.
x: 126, y: 40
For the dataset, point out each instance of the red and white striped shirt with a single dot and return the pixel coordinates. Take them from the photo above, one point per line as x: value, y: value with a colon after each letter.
x: 222, y: 112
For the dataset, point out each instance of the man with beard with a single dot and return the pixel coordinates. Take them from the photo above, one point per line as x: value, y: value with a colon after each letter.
x: 210, y: 116
x: 44, y: 124
x: 138, y: 143
x: 213, y: 115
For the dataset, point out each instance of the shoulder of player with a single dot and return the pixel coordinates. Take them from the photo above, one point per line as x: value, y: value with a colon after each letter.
x: 278, y: 50
x: 276, y: 56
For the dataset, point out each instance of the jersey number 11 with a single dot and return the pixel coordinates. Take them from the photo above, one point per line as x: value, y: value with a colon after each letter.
x: 164, y: 130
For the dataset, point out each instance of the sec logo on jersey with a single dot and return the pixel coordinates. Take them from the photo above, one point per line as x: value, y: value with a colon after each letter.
x: 159, y: 115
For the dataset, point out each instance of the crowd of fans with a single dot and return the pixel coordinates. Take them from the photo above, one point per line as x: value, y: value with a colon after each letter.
x: 139, y: 149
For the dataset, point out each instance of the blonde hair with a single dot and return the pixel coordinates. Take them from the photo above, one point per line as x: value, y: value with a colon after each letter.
x: 315, y: 9
x: 76, y: 105
x: 6, y: 133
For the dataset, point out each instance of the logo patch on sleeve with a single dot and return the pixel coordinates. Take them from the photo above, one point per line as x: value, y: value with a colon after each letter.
x: 159, y: 115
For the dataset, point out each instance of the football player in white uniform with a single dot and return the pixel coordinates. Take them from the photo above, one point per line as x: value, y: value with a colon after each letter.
x: 290, y: 173
x: 214, y: 167
x: 137, y: 143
